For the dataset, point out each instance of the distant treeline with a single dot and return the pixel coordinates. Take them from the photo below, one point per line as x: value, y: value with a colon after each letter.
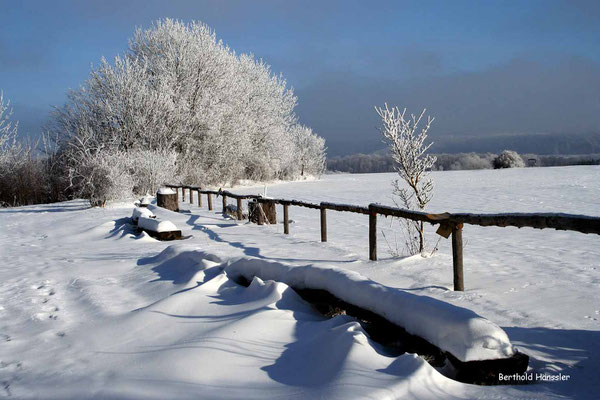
x: 383, y: 162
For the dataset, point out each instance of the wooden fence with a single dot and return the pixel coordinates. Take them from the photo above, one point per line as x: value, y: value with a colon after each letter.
x: 450, y: 224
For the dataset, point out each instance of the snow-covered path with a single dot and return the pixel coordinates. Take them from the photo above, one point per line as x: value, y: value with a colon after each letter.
x: 87, y: 308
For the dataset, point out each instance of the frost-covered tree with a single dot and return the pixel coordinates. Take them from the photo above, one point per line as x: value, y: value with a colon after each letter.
x: 408, y: 148
x: 178, y: 90
x: 152, y: 168
x: 24, y: 177
x: 509, y: 159
x: 8, y: 129
x: 309, y: 157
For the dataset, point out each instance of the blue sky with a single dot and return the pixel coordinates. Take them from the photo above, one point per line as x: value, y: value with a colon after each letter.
x: 480, y: 67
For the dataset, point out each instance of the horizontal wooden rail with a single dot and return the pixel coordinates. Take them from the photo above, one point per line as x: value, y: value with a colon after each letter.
x: 345, y: 207
x: 284, y: 202
x: 409, y: 214
x: 237, y: 196
x: 558, y: 221
x: 561, y: 222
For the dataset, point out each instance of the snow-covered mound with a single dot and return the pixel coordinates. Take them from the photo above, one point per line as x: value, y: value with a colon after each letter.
x: 146, y: 200
x: 141, y: 212
x: 156, y: 225
x: 457, y: 330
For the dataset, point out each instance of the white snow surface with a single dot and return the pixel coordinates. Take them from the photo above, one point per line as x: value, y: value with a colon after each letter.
x: 89, y: 309
x: 155, y: 224
x: 140, y: 212
x: 165, y: 190
x: 457, y: 330
x: 146, y: 200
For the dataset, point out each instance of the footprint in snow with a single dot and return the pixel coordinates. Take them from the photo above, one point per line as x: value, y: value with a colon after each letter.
x: 11, y: 365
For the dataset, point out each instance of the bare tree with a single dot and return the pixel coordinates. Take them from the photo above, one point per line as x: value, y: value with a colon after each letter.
x: 407, y: 144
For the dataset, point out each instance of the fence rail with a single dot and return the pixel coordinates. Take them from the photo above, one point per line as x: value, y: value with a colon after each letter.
x: 451, y: 224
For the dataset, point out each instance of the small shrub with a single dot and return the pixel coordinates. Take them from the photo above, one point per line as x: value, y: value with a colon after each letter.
x: 508, y: 159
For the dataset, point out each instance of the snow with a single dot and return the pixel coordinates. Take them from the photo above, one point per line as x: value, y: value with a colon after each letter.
x: 91, y: 308
x: 457, y: 330
x: 146, y: 200
x: 141, y: 212
x: 155, y: 225
x: 164, y: 190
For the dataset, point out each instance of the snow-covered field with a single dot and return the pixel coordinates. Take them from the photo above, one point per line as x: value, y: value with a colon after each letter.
x: 89, y: 309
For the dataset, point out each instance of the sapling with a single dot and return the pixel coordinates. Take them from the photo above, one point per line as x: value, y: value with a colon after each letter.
x: 407, y: 145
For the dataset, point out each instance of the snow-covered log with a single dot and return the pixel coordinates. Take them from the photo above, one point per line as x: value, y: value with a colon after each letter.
x: 162, y: 230
x: 141, y: 212
x: 455, y: 330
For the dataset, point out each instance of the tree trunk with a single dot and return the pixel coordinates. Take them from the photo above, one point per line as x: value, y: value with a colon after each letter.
x: 421, y: 239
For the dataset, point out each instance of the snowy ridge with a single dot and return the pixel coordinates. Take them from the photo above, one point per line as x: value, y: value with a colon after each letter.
x: 457, y: 330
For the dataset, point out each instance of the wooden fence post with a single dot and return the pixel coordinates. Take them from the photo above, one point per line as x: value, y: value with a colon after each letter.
x: 240, y: 215
x: 323, y: 224
x: 457, y: 257
x: 261, y: 213
x: 199, y: 198
x: 286, y: 220
x: 224, y: 203
x: 372, y: 235
x: 209, y: 201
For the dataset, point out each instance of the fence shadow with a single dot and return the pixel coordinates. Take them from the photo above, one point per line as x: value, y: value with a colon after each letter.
x: 247, y: 250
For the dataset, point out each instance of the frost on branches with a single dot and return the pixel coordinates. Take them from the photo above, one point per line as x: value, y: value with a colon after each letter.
x: 24, y: 177
x: 8, y: 131
x: 202, y: 113
x: 408, y: 148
